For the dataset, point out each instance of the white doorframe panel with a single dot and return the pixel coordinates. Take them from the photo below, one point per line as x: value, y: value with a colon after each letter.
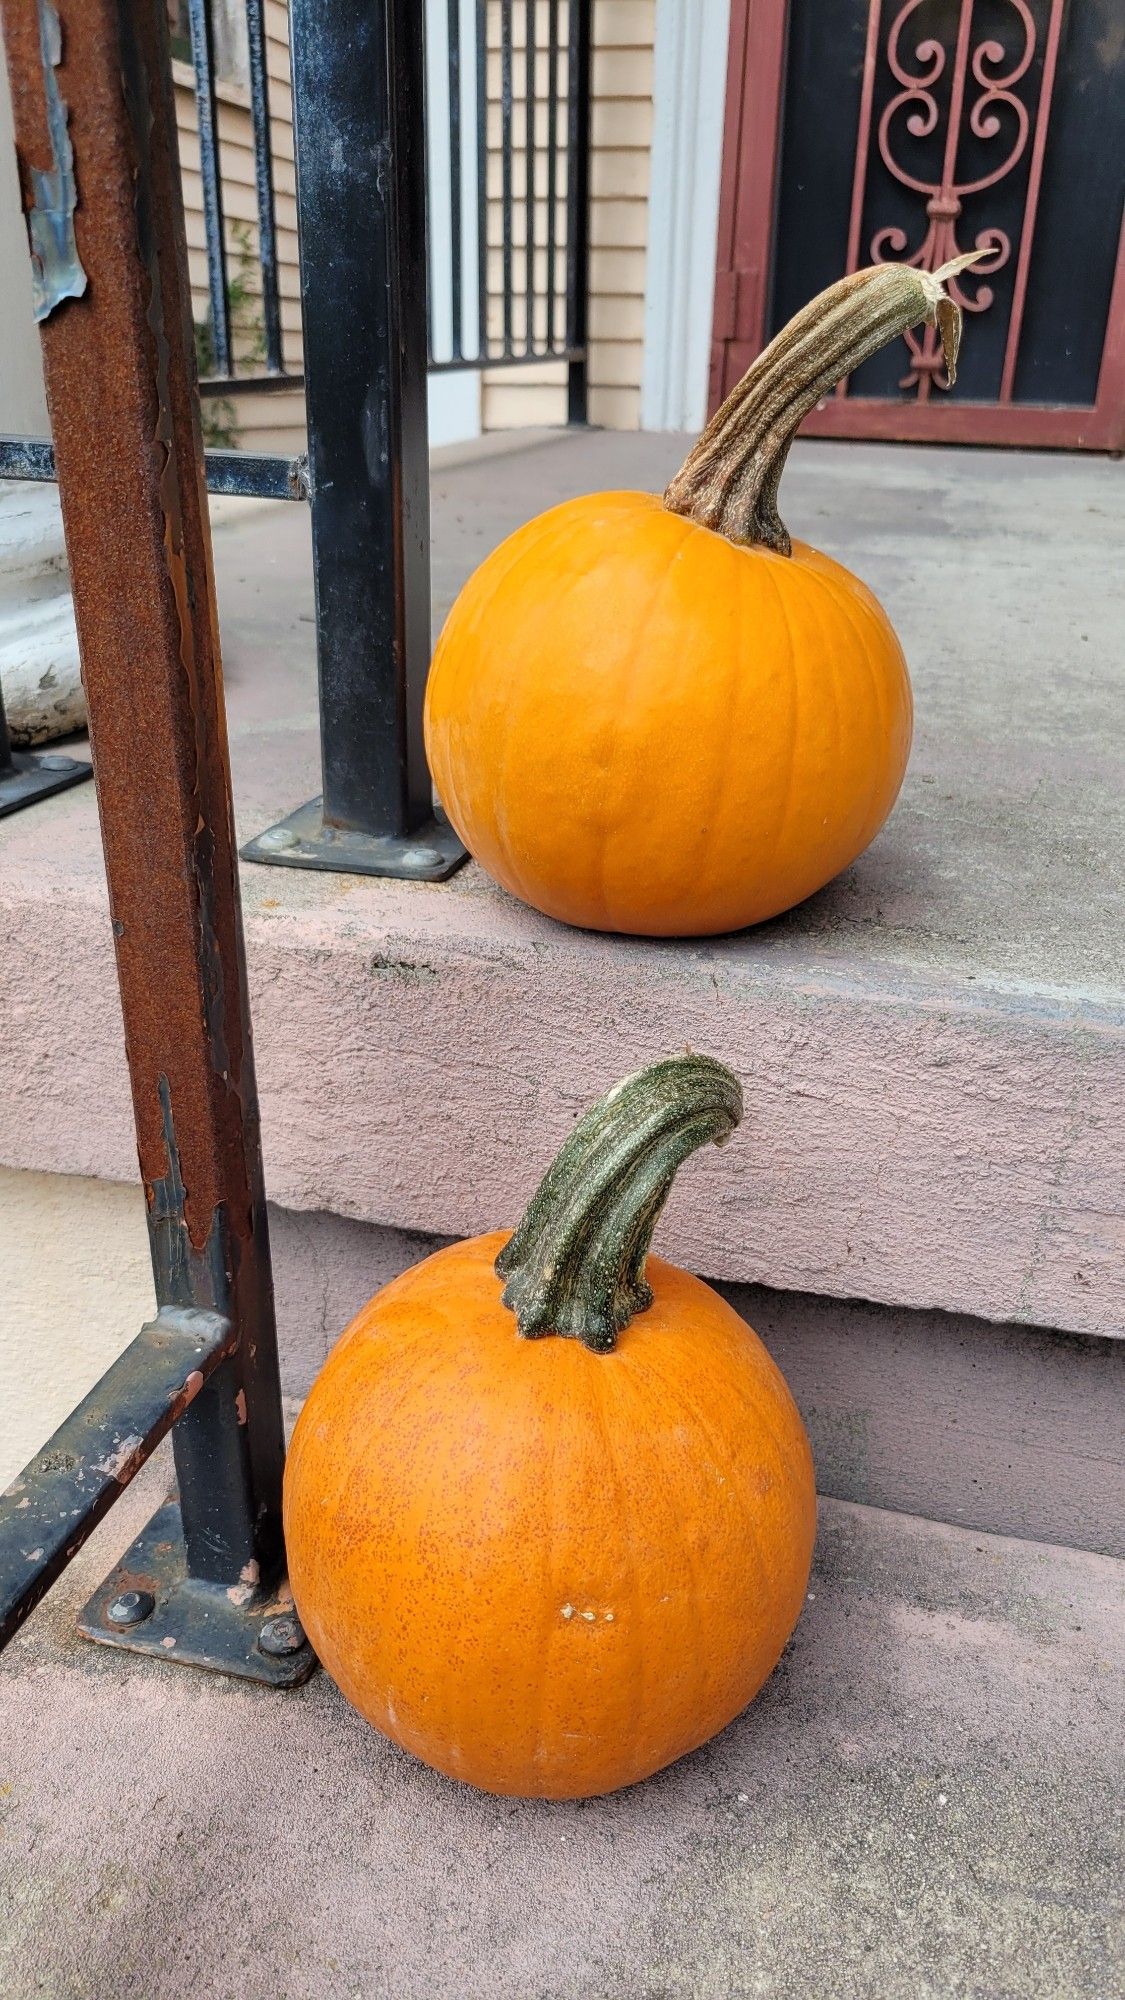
x: 454, y: 396
x: 689, y: 94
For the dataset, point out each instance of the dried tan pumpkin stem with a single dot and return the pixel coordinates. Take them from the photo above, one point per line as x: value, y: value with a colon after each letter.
x: 575, y: 1266
x: 729, y: 481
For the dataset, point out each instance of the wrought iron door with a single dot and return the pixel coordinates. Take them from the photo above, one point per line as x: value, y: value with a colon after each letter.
x: 911, y: 130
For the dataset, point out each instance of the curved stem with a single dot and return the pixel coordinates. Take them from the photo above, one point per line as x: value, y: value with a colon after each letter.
x: 729, y: 481
x: 575, y: 1266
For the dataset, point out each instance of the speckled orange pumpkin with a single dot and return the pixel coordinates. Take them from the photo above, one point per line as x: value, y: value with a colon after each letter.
x: 663, y: 716
x: 550, y: 1566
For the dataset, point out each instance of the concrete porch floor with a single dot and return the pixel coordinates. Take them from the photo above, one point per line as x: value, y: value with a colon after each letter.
x: 925, y: 1803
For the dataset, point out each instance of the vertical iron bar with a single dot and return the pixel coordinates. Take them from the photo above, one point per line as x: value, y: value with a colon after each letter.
x: 578, y: 207
x: 119, y: 366
x: 552, y: 162
x: 360, y: 144
x: 263, y: 175
x: 529, y: 188
x: 207, y: 113
x: 482, y: 179
x: 455, y: 219
x: 506, y: 164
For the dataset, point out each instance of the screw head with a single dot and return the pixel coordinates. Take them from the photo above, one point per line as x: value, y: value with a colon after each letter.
x: 56, y: 763
x: 420, y: 857
x: 131, y: 1608
x: 277, y: 838
x: 282, y: 1635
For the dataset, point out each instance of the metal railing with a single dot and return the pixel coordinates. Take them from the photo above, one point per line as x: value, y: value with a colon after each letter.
x: 207, y: 114
x: 205, y: 1581
x: 535, y: 235
x: 358, y: 94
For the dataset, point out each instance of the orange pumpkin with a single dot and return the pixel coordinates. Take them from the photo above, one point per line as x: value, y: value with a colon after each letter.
x: 552, y: 1565
x: 662, y: 716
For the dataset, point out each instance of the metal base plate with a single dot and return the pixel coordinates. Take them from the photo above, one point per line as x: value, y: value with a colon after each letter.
x: 35, y: 775
x: 430, y: 854
x: 201, y: 1624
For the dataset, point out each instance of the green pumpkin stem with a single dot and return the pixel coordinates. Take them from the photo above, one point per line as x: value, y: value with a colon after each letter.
x: 576, y: 1264
x: 729, y: 480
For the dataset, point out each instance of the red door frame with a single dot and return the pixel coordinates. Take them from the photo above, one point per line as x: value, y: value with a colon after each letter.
x: 747, y: 204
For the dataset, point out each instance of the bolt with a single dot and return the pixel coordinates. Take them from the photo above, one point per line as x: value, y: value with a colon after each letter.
x: 56, y: 763
x: 277, y: 838
x: 420, y: 857
x: 279, y: 1636
x: 131, y: 1608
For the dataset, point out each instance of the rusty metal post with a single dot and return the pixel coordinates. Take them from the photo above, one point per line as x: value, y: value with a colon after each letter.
x: 96, y: 134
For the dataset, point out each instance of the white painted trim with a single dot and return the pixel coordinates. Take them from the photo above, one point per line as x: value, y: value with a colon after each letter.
x: 454, y: 403
x: 23, y: 405
x: 454, y: 399
x: 689, y: 94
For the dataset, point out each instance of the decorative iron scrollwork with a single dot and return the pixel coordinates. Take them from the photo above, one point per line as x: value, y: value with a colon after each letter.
x: 946, y: 87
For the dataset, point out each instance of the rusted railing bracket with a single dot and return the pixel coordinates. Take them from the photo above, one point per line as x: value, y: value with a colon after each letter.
x: 57, y: 1501
x: 150, y: 1604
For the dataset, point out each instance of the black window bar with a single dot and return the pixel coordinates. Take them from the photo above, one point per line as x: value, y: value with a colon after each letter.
x: 205, y: 1581
x: 357, y: 70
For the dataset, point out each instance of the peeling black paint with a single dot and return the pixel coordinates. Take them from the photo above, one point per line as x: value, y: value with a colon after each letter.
x: 184, y: 1276
x: 56, y: 268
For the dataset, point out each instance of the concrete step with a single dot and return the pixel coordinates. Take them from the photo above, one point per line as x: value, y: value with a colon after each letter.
x: 933, y: 1048
x: 1003, y: 1427
x: 1007, y: 1428
x: 925, y: 1803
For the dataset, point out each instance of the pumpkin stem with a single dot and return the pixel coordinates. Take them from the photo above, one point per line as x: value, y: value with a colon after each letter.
x: 575, y: 1266
x: 729, y: 480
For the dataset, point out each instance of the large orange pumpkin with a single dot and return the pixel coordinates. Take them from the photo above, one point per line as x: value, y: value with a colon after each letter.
x: 551, y: 1565
x: 663, y: 716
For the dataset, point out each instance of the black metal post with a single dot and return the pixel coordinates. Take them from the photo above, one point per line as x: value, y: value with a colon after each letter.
x: 578, y: 208
x: 119, y: 363
x: 360, y: 144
